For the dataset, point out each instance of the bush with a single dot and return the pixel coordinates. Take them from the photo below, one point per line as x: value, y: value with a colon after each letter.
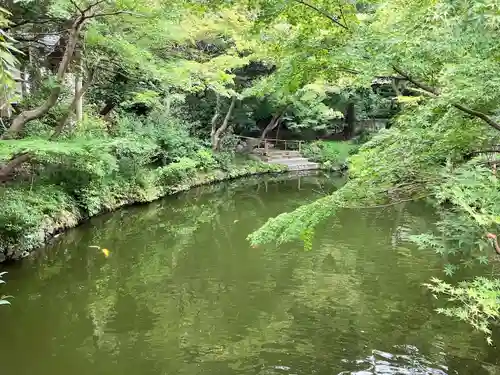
x: 24, y: 210
x: 334, y: 153
x: 177, y: 172
x: 363, y: 137
x: 206, y: 160
x: 172, y: 136
x: 224, y: 160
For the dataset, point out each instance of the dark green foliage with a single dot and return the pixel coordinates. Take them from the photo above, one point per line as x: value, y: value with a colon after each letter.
x: 171, y: 135
x: 329, y: 152
x: 26, y: 210
x: 177, y: 172
x: 84, y: 175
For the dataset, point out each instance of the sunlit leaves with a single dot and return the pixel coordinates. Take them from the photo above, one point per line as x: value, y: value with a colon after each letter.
x: 7, y: 60
x: 475, y: 302
x: 452, y: 47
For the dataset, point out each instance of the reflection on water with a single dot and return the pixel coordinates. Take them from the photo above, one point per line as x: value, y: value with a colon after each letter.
x: 182, y: 292
x: 409, y: 363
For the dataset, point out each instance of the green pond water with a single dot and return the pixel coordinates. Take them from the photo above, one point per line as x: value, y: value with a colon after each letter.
x: 182, y: 292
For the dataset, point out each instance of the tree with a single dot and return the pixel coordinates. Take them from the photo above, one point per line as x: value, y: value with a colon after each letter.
x: 443, y: 50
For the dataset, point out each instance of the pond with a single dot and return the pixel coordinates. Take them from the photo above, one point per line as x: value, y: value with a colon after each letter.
x: 182, y: 292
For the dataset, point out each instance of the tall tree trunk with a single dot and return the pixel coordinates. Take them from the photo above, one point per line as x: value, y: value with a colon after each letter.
x: 350, y: 119
x: 79, y: 92
x: 214, y: 121
x: 73, y: 106
x: 220, y: 131
x: 24, y: 117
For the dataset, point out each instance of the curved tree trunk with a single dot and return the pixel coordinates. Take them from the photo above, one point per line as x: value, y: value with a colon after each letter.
x: 7, y: 168
x: 215, y: 118
x: 24, y: 117
x: 275, y: 121
x: 220, y: 131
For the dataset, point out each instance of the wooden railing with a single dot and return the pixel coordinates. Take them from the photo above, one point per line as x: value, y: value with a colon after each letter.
x: 271, y: 143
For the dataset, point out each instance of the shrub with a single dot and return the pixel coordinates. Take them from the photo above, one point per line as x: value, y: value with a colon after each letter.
x: 24, y: 209
x: 206, y: 160
x: 363, y: 137
x: 333, y: 152
x: 171, y: 135
x: 224, y: 160
x: 177, y: 172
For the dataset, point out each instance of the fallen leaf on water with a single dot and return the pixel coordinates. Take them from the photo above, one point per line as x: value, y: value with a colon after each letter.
x: 105, y: 252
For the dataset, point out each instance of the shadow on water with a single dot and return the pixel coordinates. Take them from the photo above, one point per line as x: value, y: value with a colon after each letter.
x: 182, y: 292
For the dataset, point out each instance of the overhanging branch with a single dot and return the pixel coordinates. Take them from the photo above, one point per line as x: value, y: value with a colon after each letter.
x: 419, y: 84
x: 334, y: 19
x: 435, y: 92
x: 479, y: 115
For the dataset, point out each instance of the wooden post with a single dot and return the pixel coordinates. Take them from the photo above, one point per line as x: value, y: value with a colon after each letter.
x: 300, y: 148
x: 265, y: 147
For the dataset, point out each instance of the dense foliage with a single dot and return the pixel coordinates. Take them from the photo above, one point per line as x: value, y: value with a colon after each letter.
x: 329, y: 153
x: 441, y: 147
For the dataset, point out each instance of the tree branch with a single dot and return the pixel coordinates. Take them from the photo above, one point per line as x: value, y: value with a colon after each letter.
x: 92, y: 6
x: 118, y: 12
x: 435, y: 92
x: 479, y: 115
x: 273, y: 123
x: 24, y: 117
x: 419, y: 84
x: 16, y: 160
x: 332, y: 18
x: 342, y: 15
x: 76, y: 6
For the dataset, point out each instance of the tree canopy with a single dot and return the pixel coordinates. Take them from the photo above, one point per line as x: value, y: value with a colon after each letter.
x: 447, y: 54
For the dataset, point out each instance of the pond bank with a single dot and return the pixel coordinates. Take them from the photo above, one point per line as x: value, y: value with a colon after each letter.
x: 62, y: 213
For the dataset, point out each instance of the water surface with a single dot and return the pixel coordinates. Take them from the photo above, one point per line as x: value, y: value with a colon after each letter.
x: 182, y: 292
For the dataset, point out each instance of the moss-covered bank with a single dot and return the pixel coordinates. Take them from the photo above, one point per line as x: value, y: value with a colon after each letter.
x: 31, y: 215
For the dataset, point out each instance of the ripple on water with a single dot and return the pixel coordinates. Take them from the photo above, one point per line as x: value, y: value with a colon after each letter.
x: 406, y: 360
